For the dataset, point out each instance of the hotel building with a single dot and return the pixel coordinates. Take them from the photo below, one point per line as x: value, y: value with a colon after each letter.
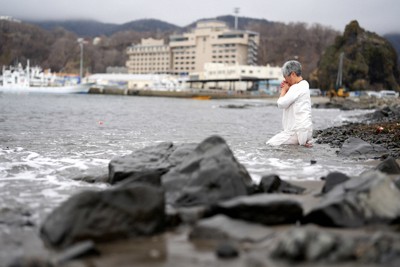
x: 151, y: 56
x: 211, y: 41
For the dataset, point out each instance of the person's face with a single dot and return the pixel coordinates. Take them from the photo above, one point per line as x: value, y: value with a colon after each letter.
x: 289, y: 78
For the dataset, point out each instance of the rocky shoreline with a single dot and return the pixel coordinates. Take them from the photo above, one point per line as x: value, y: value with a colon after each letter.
x: 380, y: 128
x: 196, y: 205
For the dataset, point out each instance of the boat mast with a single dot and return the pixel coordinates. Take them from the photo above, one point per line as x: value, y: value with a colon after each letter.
x: 81, y: 42
x: 28, y: 74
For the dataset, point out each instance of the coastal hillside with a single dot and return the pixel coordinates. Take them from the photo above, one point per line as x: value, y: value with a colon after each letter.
x: 370, y: 62
x: 91, y: 28
x: 53, y: 44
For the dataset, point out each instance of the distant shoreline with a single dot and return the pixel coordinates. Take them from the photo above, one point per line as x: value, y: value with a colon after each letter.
x: 198, y: 94
x: 194, y: 93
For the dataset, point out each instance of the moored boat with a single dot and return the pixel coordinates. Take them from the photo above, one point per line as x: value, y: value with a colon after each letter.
x: 68, y: 89
x: 20, y: 80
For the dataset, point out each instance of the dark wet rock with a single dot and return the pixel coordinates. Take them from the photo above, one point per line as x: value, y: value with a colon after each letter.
x: 380, y: 247
x: 267, y: 209
x: 31, y: 262
x: 389, y: 166
x: 368, y: 199
x: 186, y: 215
x: 304, y: 244
x: 208, y: 175
x: 172, y: 217
x: 226, y: 250
x: 357, y: 148
x: 332, y: 180
x: 274, y: 184
x: 134, y: 210
x: 15, y: 217
x: 328, y: 105
x: 79, y: 250
x: 388, y: 113
x: 92, y: 178
x: 149, y: 160
x: 380, y: 127
x: 221, y: 227
x: 316, y: 245
x: 237, y: 106
x: 151, y: 177
x: 180, y: 153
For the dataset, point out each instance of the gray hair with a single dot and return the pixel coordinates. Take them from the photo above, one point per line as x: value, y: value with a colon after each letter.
x: 291, y: 66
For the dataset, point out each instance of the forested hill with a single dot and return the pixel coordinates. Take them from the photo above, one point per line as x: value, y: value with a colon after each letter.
x: 54, y: 44
x: 91, y: 28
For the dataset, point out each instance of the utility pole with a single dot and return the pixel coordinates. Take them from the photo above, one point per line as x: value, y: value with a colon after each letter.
x: 236, y: 11
x: 339, y: 77
x: 81, y: 42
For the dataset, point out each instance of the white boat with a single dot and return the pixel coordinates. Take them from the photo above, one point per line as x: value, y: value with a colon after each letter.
x: 71, y: 89
x: 34, y: 80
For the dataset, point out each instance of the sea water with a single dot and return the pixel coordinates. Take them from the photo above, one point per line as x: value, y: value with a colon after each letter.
x: 47, y: 141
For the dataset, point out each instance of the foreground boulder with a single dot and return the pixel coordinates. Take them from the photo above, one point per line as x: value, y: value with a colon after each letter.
x: 122, y: 212
x: 371, y: 198
x: 209, y: 174
x: 389, y: 166
x: 191, y: 174
x: 332, y: 180
x: 152, y: 161
x: 357, y: 148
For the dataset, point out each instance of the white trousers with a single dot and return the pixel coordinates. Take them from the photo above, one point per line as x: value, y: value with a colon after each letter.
x: 290, y: 138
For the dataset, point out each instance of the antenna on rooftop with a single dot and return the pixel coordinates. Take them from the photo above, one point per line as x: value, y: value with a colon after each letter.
x: 236, y: 11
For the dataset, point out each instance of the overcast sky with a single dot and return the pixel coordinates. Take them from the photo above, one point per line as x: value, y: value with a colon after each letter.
x: 381, y: 16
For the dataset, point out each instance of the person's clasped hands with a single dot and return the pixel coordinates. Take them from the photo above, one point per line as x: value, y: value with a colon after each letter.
x: 284, y: 87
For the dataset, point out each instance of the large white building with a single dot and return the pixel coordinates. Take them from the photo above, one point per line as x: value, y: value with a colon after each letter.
x: 217, y: 71
x: 236, y: 77
x: 211, y: 55
x: 211, y: 41
x: 151, y: 56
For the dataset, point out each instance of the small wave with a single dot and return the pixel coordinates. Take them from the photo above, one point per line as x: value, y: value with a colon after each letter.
x: 296, y: 162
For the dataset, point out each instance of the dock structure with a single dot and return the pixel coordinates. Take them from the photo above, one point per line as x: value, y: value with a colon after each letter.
x: 232, y: 83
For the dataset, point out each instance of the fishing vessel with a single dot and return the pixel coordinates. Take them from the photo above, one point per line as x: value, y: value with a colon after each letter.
x: 16, y: 79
